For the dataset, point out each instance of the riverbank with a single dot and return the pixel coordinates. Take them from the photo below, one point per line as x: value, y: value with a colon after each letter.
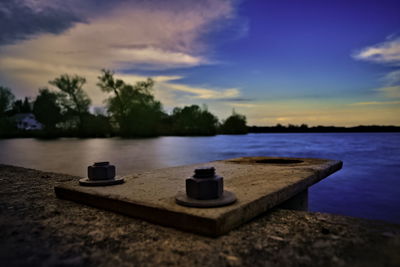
x: 41, y: 134
x: 39, y: 229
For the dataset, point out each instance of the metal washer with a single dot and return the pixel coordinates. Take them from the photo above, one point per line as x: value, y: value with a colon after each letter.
x: 88, y: 182
x: 227, y: 198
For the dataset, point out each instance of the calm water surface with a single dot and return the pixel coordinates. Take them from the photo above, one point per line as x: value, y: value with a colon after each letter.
x: 368, y: 186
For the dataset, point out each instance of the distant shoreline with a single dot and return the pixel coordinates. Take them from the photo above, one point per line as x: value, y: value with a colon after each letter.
x: 251, y: 129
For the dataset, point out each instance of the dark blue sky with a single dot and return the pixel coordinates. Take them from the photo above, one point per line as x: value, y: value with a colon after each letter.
x: 303, y: 48
x: 276, y: 61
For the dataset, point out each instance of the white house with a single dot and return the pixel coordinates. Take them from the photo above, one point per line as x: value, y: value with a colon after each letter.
x: 27, y: 121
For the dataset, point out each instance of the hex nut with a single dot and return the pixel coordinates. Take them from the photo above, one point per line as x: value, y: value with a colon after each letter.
x: 101, y: 163
x: 101, y: 171
x: 210, y: 188
x: 205, y: 172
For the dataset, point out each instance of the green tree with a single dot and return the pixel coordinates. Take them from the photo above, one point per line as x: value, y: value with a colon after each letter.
x: 47, y: 108
x: 97, y: 126
x: 26, y: 106
x: 116, y: 105
x: 6, y: 100
x: 193, y: 120
x: 20, y: 106
x: 133, y: 107
x: 7, y: 126
x: 74, y: 99
x: 234, y: 124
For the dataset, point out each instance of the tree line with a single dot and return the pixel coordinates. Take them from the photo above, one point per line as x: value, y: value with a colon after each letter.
x: 131, y: 111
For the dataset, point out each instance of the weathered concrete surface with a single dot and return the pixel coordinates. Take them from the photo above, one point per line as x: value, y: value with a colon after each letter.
x: 259, y: 183
x: 36, y: 228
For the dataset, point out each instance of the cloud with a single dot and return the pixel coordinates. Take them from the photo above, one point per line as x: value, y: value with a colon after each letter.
x: 128, y: 36
x: 376, y: 103
x: 392, y: 78
x: 243, y: 105
x: 387, y: 52
x: 125, y: 36
x: 390, y: 92
x: 237, y: 99
x: 204, y: 93
x: 176, y: 25
x: 26, y: 19
x: 21, y: 20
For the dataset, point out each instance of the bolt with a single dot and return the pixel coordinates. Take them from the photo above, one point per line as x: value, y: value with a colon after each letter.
x: 204, y: 184
x: 206, y: 172
x: 101, y: 171
x: 101, y: 163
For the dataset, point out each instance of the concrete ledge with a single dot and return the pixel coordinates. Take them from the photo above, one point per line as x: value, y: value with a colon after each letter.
x: 260, y: 183
x: 38, y: 229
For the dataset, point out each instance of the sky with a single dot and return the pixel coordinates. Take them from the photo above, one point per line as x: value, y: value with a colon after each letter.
x: 276, y: 61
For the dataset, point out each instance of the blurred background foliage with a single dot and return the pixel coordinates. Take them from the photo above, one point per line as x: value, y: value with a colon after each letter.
x: 131, y: 111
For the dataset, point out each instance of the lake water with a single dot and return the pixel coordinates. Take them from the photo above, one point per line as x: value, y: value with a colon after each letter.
x: 368, y: 186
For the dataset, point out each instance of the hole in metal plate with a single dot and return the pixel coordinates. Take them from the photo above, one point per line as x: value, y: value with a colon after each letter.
x: 278, y: 161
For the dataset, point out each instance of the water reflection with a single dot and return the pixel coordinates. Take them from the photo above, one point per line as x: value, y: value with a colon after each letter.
x: 368, y: 185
